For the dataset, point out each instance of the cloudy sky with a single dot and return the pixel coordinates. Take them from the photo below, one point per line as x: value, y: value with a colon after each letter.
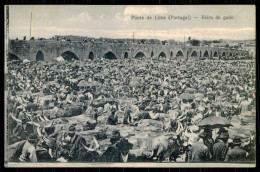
x: 116, y: 21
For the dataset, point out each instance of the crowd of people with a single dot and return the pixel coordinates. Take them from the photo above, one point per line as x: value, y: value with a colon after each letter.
x: 80, y: 110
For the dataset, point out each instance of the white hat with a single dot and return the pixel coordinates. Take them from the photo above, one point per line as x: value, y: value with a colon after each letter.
x: 230, y: 140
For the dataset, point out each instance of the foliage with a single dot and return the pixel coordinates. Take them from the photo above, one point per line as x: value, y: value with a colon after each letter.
x: 194, y: 42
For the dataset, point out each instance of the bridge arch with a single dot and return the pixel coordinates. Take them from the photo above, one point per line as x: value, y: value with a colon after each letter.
x: 12, y: 57
x: 69, y: 56
x: 179, y: 54
x: 171, y: 54
x: 91, y: 55
x: 162, y: 54
x: 215, y: 54
x: 223, y: 54
x: 110, y: 55
x: 194, y: 54
x: 231, y: 54
x: 39, y: 56
x: 206, y: 54
x: 125, y: 55
x: 140, y: 54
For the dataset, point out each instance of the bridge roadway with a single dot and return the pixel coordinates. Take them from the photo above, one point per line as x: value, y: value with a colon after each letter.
x: 50, y: 49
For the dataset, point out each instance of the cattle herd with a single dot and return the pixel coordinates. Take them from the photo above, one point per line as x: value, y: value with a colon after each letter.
x: 130, y: 110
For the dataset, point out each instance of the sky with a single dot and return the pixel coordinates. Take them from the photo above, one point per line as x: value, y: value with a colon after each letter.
x: 117, y: 21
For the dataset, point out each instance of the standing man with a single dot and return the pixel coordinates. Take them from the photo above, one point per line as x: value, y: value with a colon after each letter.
x: 23, y: 128
x: 119, y: 150
x: 220, y: 147
x: 199, y: 151
x: 207, y: 139
x: 112, y: 153
x: 236, y: 153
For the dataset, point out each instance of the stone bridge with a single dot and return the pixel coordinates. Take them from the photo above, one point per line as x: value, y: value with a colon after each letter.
x: 50, y: 50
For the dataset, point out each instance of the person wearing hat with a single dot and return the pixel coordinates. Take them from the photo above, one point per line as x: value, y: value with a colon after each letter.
x: 118, y: 151
x: 111, y: 154
x: 67, y: 140
x: 236, y: 153
x: 123, y: 147
x: 207, y: 138
x: 44, y: 149
x: 220, y: 147
x: 199, y: 151
x: 23, y: 128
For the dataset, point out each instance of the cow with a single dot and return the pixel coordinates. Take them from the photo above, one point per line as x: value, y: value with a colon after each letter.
x: 161, y: 147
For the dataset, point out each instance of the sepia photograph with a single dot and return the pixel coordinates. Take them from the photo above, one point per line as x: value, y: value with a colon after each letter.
x: 130, y: 86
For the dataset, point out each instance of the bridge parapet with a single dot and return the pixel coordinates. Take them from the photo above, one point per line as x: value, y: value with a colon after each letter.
x: 51, y: 49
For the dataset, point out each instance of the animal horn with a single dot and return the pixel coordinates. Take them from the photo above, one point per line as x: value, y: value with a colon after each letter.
x: 46, y: 119
x: 178, y: 128
x: 17, y: 120
x: 39, y: 131
x: 96, y: 142
x: 88, y: 149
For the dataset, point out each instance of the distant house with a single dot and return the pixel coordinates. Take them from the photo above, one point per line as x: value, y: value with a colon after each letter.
x: 219, y: 45
x: 187, y: 44
x: 233, y: 44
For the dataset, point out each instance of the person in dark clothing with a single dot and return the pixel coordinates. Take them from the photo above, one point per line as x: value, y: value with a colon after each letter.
x: 83, y: 152
x: 236, y: 153
x: 118, y: 151
x: 74, y: 148
x: 112, y: 118
x: 252, y: 149
x: 42, y: 150
x: 23, y: 129
x: 127, y: 116
x: 123, y: 147
x: 188, y: 153
x: 207, y: 139
x: 220, y: 147
x: 110, y: 155
x: 252, y: 154
x: 199, y: 151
